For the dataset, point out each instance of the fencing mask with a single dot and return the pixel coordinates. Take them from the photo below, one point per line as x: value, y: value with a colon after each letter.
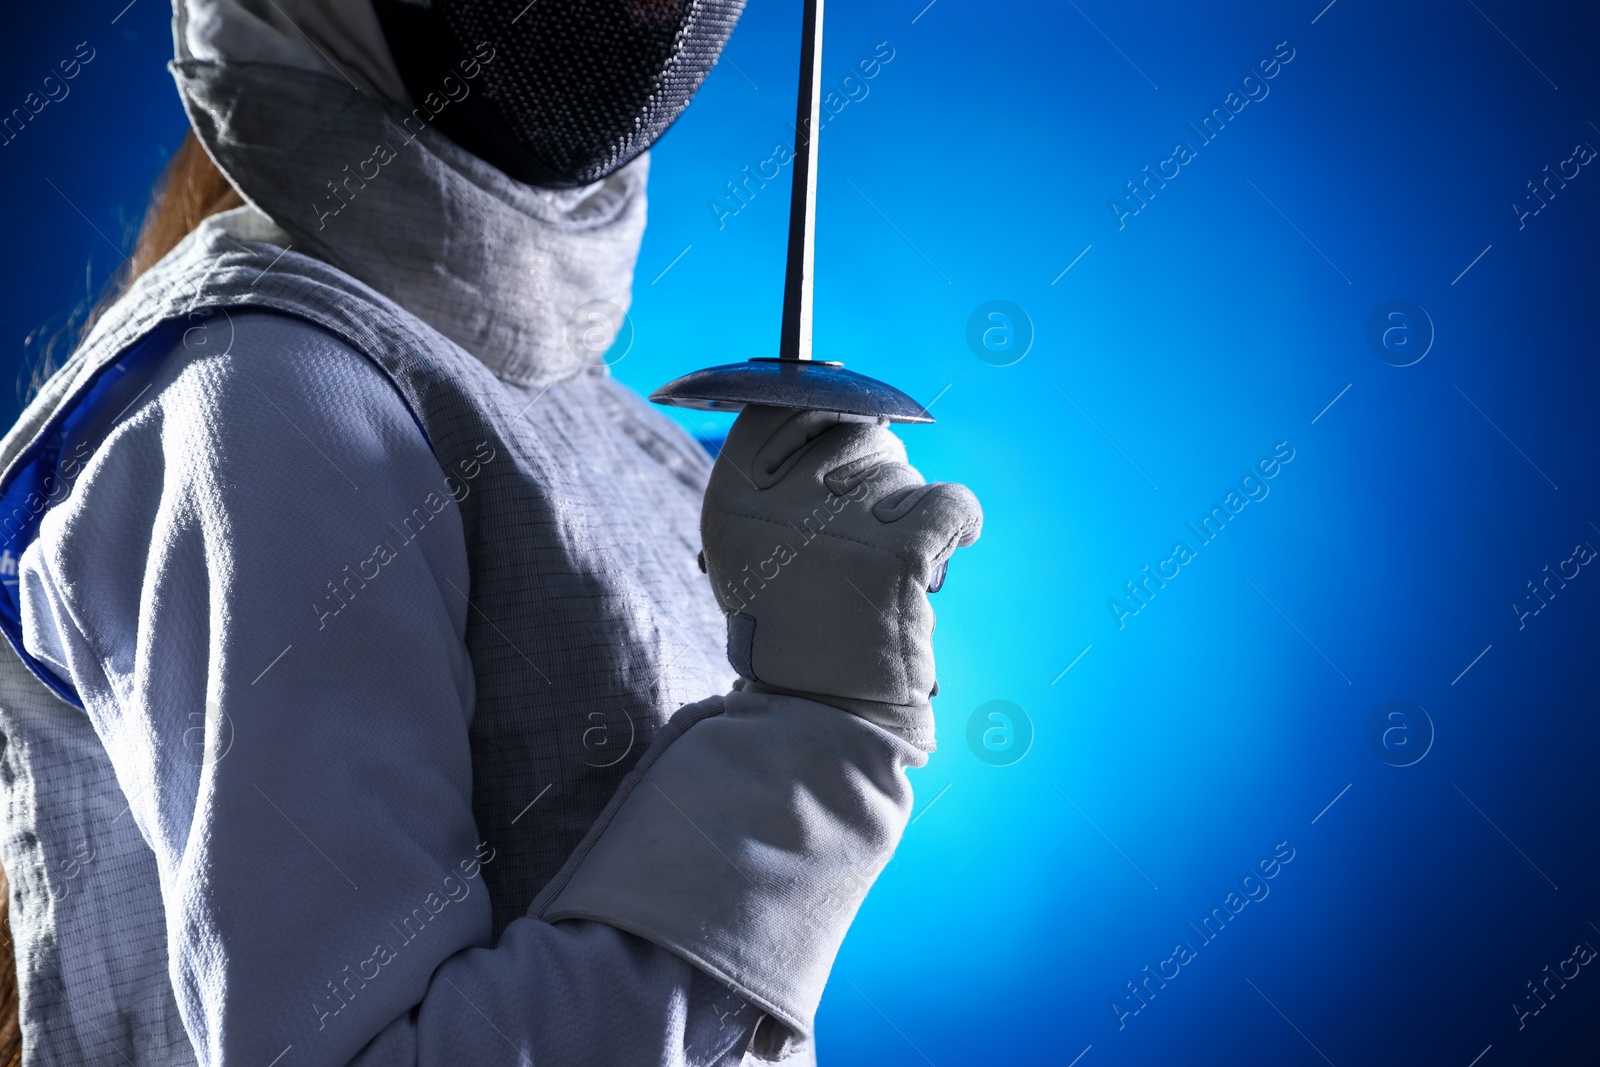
x: 562, y: 92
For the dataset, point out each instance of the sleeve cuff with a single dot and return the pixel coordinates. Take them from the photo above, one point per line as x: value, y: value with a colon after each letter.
x: 744, y: 842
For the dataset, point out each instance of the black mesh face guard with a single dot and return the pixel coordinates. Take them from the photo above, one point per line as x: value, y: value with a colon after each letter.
x: 562, y: 92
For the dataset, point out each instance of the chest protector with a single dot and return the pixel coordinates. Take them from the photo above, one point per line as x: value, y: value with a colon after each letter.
x: 591, y: 624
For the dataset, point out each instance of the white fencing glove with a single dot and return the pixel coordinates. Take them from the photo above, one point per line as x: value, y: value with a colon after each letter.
x: 822, y: 544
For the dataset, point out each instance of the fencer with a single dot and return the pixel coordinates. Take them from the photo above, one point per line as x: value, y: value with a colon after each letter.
x: 377, y: 689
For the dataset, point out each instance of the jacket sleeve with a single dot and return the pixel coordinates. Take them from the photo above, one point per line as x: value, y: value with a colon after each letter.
x: 275, y: 662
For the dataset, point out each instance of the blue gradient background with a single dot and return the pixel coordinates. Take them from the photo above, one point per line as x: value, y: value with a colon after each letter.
x: 1211, y: 727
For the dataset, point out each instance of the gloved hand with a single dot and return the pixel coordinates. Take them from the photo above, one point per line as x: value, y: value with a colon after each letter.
x: 822, y: 544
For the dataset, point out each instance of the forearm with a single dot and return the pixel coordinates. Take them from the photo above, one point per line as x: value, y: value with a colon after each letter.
x: 576, y: 994
x: 745, y: 841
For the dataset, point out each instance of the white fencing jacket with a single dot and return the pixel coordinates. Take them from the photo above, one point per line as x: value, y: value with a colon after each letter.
x: 353, y: 617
